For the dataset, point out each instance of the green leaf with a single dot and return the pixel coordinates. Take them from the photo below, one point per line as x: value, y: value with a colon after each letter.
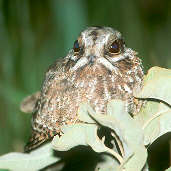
x: 78, y: 134
x: 128, y: 131
x: 83, y: 113
x: 157, y: 85
x: 36, y: 160
x: 116, y: 109
x: 146, y: 112
x: 155, y: 116
x: 126, y: 128
x: 155, y: 119
x: 169, y: 169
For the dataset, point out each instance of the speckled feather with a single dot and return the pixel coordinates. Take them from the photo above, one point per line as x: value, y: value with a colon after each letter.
x: 93, y: 75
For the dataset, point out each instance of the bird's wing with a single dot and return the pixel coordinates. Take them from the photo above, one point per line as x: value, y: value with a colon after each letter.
x: 40, y: 132
x: 28, y: 103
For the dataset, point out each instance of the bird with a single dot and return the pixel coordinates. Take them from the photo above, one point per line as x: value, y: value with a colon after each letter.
x: 97, y: 69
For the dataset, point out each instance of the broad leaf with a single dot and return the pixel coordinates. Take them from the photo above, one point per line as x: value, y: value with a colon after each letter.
x: 155, y: 118
x: 169, y: 169
x: 78, y: 134
x: 128, y: 131
x: 157, y: 85
x: 33, y: 161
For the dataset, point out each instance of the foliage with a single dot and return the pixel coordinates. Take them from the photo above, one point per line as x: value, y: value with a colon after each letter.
x: 36, y: 160
x: 130, y: 135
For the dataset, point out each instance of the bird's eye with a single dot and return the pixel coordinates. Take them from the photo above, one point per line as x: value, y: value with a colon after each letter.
x: 76, y: 46
x: 115, y: 47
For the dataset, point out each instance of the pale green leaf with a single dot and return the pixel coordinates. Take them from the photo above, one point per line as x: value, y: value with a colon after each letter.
x: 78, y: 134
x: 128, y: 131
x: 169, y: 169
x: 157, y: 85
x: 116, y: 109
x: 36, y: 160
x: 137, y: 161
x: 146, y: 112
x: 154, y: 117
x: 83, y: 113
x: 156, y: 122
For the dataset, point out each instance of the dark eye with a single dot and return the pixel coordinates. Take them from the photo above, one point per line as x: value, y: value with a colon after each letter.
x: 76, y: 46
x: 115, y: 47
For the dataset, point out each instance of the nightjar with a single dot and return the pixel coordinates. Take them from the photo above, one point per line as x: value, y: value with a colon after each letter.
x: 97, y: 69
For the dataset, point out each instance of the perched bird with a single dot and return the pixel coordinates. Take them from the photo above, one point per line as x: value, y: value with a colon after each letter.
x: 97, y: 69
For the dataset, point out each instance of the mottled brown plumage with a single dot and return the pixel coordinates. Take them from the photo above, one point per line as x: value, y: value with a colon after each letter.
x: 99, y: 68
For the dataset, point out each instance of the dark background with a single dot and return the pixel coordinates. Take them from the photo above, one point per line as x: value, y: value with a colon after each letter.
x: 34, y: 33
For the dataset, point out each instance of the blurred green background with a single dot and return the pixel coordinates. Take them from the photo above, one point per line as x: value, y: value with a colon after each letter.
x: 34, y: 33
